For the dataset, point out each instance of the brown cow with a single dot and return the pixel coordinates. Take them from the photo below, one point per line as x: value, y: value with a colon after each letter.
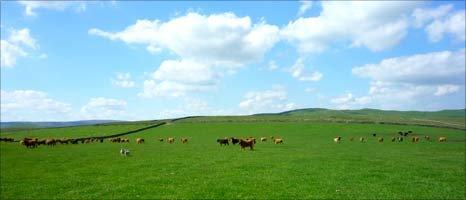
x: 278, y: 141
x: 30, y: 143
x: 246, y: 143
x: 184, y: 140
x: 139, y: 140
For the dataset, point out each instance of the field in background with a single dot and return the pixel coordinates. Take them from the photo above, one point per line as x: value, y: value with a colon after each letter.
x: 308, y: 165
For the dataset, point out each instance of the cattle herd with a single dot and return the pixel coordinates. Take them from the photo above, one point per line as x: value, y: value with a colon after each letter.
x: 399, y: 138
x: 248, y: 142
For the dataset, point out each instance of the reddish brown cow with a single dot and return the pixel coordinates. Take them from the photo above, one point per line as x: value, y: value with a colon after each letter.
x: 246, y: 143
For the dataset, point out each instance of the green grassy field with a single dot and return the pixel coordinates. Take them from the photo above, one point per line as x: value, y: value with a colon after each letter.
x: 308, y: 165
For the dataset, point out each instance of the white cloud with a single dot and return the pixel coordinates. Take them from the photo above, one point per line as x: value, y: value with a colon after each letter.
x: 305, y: 5
x: 272, y: 65
x: 299, y: 72
x: 103, y: 108
x: 31, y: 105
x: 208, y: 47
x: 193, y: 107
x: 31, y: 6
x: 416, y: 81
x: 375, y: 25
x: 123, y: 80
x: 430, y: 68
x: 274, y: 100
x: 446, y: 89
x: 16, y: 46
x: 454, y: 25
x: 441, y: 21
x: 347, y: 101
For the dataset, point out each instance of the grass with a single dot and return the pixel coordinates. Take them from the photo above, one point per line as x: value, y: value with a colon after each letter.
x: 308, y: 165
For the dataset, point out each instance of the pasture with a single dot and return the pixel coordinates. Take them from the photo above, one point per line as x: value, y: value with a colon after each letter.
x: 309, y: 164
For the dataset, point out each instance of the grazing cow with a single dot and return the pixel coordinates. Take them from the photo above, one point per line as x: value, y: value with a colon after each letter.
x: 415, y: 139
x: 184, y: 140
x: 50, y: 142
x: 30, y: 143
x: 126, y: 140
x: 252, y: 139
x: 87, y: 141
x: 337, y: 139
x: 234, y: 141
x: 405, y: 134
x: 124, y: 152
x: 160, y: 139
x: 400, y: 139
x: 351, y: 139
x: 427, y: 137
x: 380, y: 139
x: 278, y: 141
x: 442, y: 139
x: 171, y: 140
x: 374, y: 135
x: 400, y: 133
x: 139, y: 140
x: 362, y: 139
x: 263, y: 139
x: 393, y: 139
x: 246, y: 143
x: 223, y: 142
x: 101, y: 140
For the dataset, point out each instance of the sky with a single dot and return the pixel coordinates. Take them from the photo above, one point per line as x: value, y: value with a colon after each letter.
x: 64, y: 61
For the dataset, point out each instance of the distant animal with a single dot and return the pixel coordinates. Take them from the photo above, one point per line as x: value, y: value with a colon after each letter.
x: 234, y: 141
x: 263, y: 139
x: 127, y: 140
x: 337, y: 139
x: 50, y: 142
x: 124, y: 152
x: 393, y: 139
x: 139, y: 140
x: 427, y: 137
x: 30, y: 143
x: 362, y: 139
x: 400, y: 139
x: 380, y: 139
x: 442, y: 139
x: 374, y: 135
x: 278, y: 141
x: 160, y: 139
x: 246, y: 143
x: 405, y: 133
x: 400, y: 133
x: 223, y: 142
x: 171, y: 140
x: 252, y: 139
x: 271, y: 137
x: 415, y: 139
x: 184, y: 140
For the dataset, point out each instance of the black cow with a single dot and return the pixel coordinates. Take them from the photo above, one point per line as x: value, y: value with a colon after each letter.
x: 223, y: 142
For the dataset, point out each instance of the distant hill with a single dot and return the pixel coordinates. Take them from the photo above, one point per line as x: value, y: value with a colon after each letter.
x: 460, y: 113
x: 52, y: 124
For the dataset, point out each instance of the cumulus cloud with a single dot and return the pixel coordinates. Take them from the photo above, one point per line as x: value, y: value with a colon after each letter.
x: 123, y: 80
x: 103, y: 108
x: 17, y: 45
x: 348, y: 101
x: 299, y: 71
x: 441, y: 21
x: 31, y: 6
x: 274, y: 100
x: 305, y: 5
x: 416, y: 81
x: 374, y: 25
x: 31, y: 105
x: 208, y: 46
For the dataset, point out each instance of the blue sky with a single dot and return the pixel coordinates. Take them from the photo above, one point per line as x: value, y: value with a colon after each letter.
x: 149, y: 60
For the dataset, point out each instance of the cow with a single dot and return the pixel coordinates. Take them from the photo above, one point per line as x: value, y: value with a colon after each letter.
x: 393, y: 139
x: 139, y: 140
x: 50, y: 142
x: 127, y: 140
x: 160, y: 139
x: 442, y: 139
x: 400, y: 139
x: 223, y: 142
x: 171, y: 140
x: 415, y: 139
x: 374, y: 134
x: 380, y: 139
x: 362, y: 139
x: 124, y: 152
x: 278, y: 141
x: 337, y: 139
x: 234, y: 141
x: 184, y: 140
x: 246, y: 143
x: 263, y: 139
x: 30, y: 143
x: 252, y: 139
x: 427, y: 137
